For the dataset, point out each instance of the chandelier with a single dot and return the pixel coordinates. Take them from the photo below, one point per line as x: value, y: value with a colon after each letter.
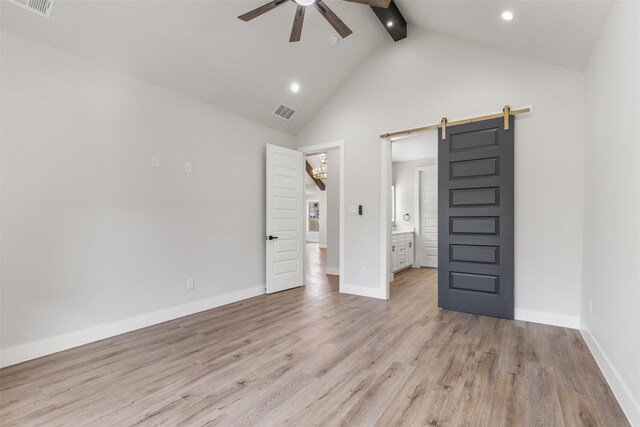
x: 321, y: 172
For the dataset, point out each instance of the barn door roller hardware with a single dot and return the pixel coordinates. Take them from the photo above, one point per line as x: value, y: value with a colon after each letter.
x: 443, y: 125
x: 506, y: 112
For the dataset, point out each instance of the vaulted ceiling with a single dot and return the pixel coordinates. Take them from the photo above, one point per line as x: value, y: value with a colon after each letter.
x: 201, y: 49
x: 561, y: 32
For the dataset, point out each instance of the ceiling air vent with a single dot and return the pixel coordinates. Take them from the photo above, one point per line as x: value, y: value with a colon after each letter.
x: 284, y: 112
x: 39, y: 7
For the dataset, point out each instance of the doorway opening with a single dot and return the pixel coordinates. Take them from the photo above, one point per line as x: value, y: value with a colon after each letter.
x: 288, y: 215
x: 414, y: 209
x: 324, y: 218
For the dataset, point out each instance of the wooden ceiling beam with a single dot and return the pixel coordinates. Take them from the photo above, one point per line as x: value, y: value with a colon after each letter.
x: 318, y: 182
x: 391, y: 15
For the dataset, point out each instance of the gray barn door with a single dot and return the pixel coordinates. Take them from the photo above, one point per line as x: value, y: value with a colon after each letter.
x: 475, y: 218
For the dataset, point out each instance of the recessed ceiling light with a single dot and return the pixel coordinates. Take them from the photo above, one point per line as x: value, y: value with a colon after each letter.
x: 390, y: 24
x: 305, y: 2
x: 295, y: 87
x: 507, y: 15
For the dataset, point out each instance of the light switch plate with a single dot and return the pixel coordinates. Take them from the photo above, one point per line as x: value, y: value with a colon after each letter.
x: 155, y: 162
x: 188, y: 168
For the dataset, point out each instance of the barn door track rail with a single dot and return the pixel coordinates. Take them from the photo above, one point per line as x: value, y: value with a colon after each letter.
x: 444, y: 123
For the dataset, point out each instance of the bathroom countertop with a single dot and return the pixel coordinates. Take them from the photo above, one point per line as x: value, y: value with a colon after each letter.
x: 402, y: 231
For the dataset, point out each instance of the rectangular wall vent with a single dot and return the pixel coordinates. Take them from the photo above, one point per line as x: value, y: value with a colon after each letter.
x: 284, y: 112
x: 39, y: 7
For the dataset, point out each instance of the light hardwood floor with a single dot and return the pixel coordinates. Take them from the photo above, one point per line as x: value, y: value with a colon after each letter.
x: 311, y: 356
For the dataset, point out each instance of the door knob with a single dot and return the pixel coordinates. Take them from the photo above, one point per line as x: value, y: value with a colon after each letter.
x: 272, y: 237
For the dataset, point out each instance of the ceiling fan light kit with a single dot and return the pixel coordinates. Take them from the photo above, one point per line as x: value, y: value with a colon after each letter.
x: 296, y: 31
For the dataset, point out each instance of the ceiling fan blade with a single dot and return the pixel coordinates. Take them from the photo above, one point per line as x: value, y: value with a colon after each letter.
x: 296, y: 30
x: 261, y: 10
x: 377, y: 3
x: 333, y: 19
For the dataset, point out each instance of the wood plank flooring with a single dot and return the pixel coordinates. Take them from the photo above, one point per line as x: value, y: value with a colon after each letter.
x: 311, y: 356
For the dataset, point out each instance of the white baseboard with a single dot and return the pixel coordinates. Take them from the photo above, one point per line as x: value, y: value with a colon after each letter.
x: 618, y: 385
x: 332, y: 270
x: 547, y: 318
x: 391, y: 277
x: 32, y: 350
x: 322, y: 245
x: 363, y: 291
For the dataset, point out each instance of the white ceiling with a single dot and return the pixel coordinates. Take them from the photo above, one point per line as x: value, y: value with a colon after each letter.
x: 200, y: 48
x: 561, y: 32
x: 416, y: 147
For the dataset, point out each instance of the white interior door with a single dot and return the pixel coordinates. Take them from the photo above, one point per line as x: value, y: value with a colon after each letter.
x: 284, y: 218
x: 429, y: 216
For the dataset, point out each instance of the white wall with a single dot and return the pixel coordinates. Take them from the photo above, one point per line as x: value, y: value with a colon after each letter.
x: 322, y: 240
x: 611, y: 260
x: 416, y: 146
x: 404, y: 181
x: 333, y: 211
x: 92, y: 236
x: 443, y: 76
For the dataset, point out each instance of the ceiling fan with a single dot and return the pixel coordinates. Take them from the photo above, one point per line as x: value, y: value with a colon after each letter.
x: 320, y: 6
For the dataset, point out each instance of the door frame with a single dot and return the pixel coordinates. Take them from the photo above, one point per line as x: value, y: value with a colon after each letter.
x: 418, y: 207
x: 386, y: 179
x: 316, y: 149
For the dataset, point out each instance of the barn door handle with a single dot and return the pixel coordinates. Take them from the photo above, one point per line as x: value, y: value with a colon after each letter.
x: 272, y: 237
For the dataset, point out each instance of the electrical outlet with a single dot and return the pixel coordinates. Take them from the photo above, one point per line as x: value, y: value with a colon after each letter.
x: 590, y: 306
x: 188, y: 168
x: 363, y: 271
x: 190, y: 284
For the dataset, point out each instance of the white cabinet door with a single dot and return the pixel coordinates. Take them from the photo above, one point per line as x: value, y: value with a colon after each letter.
x: 410, y: 252
x: 285, y: 218
x: 402, y: 251
x: 394, y: 254
x: 394, y: 258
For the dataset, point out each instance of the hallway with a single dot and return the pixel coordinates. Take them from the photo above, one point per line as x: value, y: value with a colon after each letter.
x: 315, y: 269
